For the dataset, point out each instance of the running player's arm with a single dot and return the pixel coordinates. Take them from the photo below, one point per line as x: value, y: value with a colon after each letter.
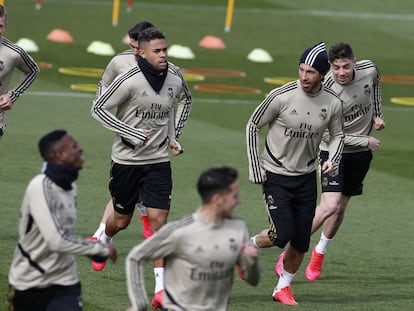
x: 159, y: 245
x: 262, y: 115
x: 184, y: 102
x: 175, y: 147
x: 116, y: 94
x: 110, y: 73
x: 249, y: 260
x: 356, y: 140
x: 378, y: 118
x: 336, y: 133
x: 52, y: 227
x: 29, y: 70
x: 376, y: 95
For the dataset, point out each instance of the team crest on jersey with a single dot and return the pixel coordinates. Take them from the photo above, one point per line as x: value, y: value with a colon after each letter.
x: 1, y: 65
x: 367, y: 90
x: 199, y: 250
x: 323, y: 114
x: 324, y: 181
x: 233, y: 245
x: 170, y: 93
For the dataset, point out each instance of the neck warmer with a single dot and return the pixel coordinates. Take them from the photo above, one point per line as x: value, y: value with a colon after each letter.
x: 62, y: 175
x: 154, y: 76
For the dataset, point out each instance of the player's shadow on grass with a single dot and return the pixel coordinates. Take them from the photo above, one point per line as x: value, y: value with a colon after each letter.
x: 256, y: 294
x: 359, y: 298
x: 339, y: 290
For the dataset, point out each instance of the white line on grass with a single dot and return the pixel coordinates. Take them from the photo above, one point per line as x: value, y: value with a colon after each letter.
x: 195, y: 99
x: 181, y: 7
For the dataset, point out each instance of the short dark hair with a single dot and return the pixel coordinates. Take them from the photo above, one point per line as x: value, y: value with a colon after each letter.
x: 340, y: 50
x: 3, y: 13
x: 150, y: 34
x: 48, y: 142
x: 214, y: 181
x: 134, y: 31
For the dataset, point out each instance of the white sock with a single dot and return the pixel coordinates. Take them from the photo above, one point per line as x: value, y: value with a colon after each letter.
x: 253, y: 240
x: 105, y: 239
x: 140, y: 207
x: 100, y: 230
x: 323, y: 244
x: 159, y: 279
x: 285, y: 279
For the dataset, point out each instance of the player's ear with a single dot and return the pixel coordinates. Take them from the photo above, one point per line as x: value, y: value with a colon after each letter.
x: 217, y: 199
x: 141, y: 48
x: 60, y: 156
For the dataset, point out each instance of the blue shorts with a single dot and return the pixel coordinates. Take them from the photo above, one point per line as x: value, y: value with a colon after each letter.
x: 151, y: 181
x: 291, y: 203
x: 352, y: 170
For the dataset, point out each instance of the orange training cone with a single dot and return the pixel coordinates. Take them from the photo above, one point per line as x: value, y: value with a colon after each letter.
x: 212, y: 42
x: 60, y: 35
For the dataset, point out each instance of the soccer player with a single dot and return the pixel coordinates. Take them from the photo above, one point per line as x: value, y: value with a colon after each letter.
x: 12, y: 56
x: 201, y: 251
x: 144, y: 99
x: 358, y: 85
x: 120, y: 64
x: 297, y: 115
x: 43, y: 271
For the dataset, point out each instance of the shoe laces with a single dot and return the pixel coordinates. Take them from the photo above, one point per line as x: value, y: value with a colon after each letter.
x: 316, y: 261
x: 288, y: 291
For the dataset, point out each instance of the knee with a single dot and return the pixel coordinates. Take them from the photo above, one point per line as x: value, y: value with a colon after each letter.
x: 157, y: 220
x: 156, y: 224
x: 330, y: 208
x: 122, y: 223
x: 337, y: 208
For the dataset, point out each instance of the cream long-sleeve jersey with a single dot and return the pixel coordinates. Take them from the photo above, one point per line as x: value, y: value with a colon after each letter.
x: 126, y: 60
x: 361, y: 99
x: 12, y: 56
x: 296, y: 122
x: 138, y: 108
x: 199, y: 263
x: 45, y: 251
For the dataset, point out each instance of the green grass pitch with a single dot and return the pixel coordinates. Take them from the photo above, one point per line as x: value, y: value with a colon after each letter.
x: 370, y: 264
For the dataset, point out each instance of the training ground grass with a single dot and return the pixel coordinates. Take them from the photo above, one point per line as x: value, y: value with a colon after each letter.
x: 369, y: 265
